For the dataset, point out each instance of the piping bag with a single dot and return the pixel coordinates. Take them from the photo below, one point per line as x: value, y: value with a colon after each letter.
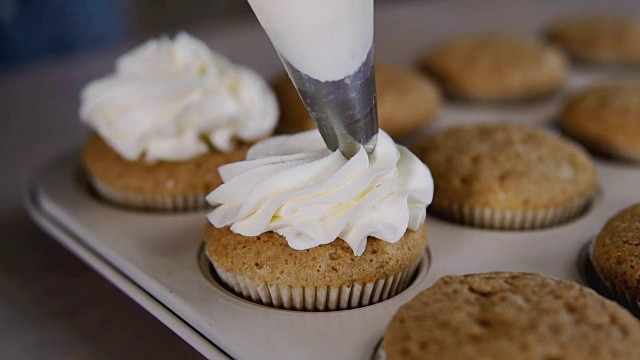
x: 326, y: 47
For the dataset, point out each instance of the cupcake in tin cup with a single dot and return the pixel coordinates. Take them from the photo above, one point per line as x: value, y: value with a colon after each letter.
x: 170, y: 114
x: 616, y: 256
x: 505, y: 315
x: 299, y: 227
x: 606, y: 119
x: 599, y: 38
x: 496, y: 67
x: 507, y: 176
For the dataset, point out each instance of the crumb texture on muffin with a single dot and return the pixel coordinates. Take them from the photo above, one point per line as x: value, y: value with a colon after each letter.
x: 606, y: 118
x: 616, y: 251
x: 496, y: 67
x: 599, y: 38
x: 511, y: 316
x: 506, y: 167
x: 407, y: 100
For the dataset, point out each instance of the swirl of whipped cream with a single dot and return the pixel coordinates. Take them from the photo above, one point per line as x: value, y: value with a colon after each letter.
x: 168, y: 98
x: 293, y: 185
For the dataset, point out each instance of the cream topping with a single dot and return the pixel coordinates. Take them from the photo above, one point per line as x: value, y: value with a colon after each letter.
x: 294, y: 186
x: 169, y: 99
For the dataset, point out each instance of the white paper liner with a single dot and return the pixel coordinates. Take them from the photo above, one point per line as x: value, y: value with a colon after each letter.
x: 627, y: 300
x: 149, y: 202
x: 327, y: 298
x: 486, y: 217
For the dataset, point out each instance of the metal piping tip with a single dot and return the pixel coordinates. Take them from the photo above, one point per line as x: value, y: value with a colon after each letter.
x: 345, y: 111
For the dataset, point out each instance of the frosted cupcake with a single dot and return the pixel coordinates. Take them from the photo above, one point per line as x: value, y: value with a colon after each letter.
x: 299, y: 227
x: 503, y: 315
x: 616, y: 256
x: 170, y: 114
x: 507, y: 176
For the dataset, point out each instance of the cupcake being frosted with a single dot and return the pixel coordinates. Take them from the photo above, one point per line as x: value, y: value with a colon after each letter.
x: 297, y: 226
x: 170, y: 114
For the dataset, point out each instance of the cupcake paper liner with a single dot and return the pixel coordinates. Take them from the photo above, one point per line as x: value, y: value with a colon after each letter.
x: 485, y: 217
x: 321, y: 298
x: 149, y: 202
x: 629, y: 301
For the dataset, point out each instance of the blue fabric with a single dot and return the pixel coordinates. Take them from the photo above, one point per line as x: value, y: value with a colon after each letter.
x: 31, y: 29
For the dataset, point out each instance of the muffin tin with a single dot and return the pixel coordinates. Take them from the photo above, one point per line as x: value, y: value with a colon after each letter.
x: 158, y: 260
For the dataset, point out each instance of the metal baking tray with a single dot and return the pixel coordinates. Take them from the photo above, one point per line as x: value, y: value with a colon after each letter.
x: 157, y: 258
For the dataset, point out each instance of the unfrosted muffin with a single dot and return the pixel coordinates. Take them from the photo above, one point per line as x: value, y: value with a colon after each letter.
x: 495, y: 67
x: 507, y: 176
x: 172, y: 112
x: 599, y: 38
x: 616, y: 256
x: 296, y: 226
x: 407, y: 101
x: 605, y: 118
x: 503, y: 315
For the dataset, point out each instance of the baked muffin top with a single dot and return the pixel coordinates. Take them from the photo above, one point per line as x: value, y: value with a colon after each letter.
x: 616, y: 251
x: 496, y: 67
x: 511, y: 316
x: 407, y: 100
x: 606, y: 118
x: 599, y: 38
x: 506, y: 167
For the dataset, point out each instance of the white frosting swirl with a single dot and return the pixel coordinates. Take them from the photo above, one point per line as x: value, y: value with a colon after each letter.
x: 168, y: 98
x: 294, y: 186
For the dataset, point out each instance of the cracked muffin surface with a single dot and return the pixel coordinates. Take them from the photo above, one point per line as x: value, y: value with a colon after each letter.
x: 511, y: 316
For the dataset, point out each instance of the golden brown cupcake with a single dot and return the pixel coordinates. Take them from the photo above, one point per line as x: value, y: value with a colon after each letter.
x: 407, y: 101
x: 296, y: 226
x: 507, y: 176
x: 266, y: 270
x: 503, y: 315
x: 599, y: 38
x: 494, y: 67
x: 170, y: 114
x: 605, y: 118
x: 616, y: 256
x: 163, y: 185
